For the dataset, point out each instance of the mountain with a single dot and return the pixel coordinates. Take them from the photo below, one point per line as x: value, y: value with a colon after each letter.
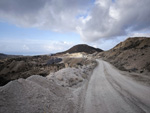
x: 3, y: 56
x: 133, y: 55
x: 82, y: 48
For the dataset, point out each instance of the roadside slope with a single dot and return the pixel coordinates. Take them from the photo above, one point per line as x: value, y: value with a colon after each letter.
x: 132, y: 55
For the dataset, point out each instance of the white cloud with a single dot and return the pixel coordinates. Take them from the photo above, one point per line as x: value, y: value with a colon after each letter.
x: 107, y: 44
x: 103, y: 3
x: 113, y: 19
x: 56, y: 15
x: 139, y: 35
x: 84, y: 20
x: 31, y: 47
x: 102, y: 19
x: 25, y: 47
x: 114, y: 13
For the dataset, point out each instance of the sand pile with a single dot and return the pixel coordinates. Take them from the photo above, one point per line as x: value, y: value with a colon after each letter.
x: 71, y: 77
x: 60, y: 92
x: 35, y: 94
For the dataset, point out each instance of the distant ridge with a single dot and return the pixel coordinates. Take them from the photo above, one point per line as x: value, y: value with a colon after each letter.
x: 82, y: 48
x: 3, y: 56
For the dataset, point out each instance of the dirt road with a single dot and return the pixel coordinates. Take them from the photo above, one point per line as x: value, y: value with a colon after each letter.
x: 110, y: 92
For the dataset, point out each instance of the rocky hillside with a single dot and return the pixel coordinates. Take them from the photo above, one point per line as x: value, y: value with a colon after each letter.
x: 133, y: 43
x: 82, y: 48
x: 133, y: 55
x: 25, y: 66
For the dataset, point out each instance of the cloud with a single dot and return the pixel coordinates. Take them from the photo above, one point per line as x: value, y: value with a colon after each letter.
x: 106, y: 44
x: 139, y: 35
x: 32, y: 47
x: 25, y: 47
x: 113, y: 19
x: 56, y: 15
x: 99, y: 19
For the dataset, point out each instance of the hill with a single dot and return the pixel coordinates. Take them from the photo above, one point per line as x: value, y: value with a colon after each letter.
x: 133, y: 55
x: 135, y: 43
x: 82, y: 48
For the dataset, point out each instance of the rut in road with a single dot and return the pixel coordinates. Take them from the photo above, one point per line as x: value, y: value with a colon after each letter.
x: 110, y: 92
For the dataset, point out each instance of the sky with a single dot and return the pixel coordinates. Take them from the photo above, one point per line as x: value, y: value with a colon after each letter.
x: 31, y: 27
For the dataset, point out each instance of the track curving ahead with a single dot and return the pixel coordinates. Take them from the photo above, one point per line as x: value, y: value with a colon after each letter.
x: 110, y: 92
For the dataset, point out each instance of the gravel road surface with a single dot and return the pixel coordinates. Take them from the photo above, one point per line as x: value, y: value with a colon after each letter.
x: 110, y: 92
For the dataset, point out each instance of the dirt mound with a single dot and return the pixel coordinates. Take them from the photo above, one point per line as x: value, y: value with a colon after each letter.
x: 35, y: 95
x: 57, y: 93
x: 82, y: 48
x: 72, y: 77
x: 132, y: 55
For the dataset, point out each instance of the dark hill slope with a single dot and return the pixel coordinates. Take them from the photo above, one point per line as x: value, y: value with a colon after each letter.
x: 82, y: 48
